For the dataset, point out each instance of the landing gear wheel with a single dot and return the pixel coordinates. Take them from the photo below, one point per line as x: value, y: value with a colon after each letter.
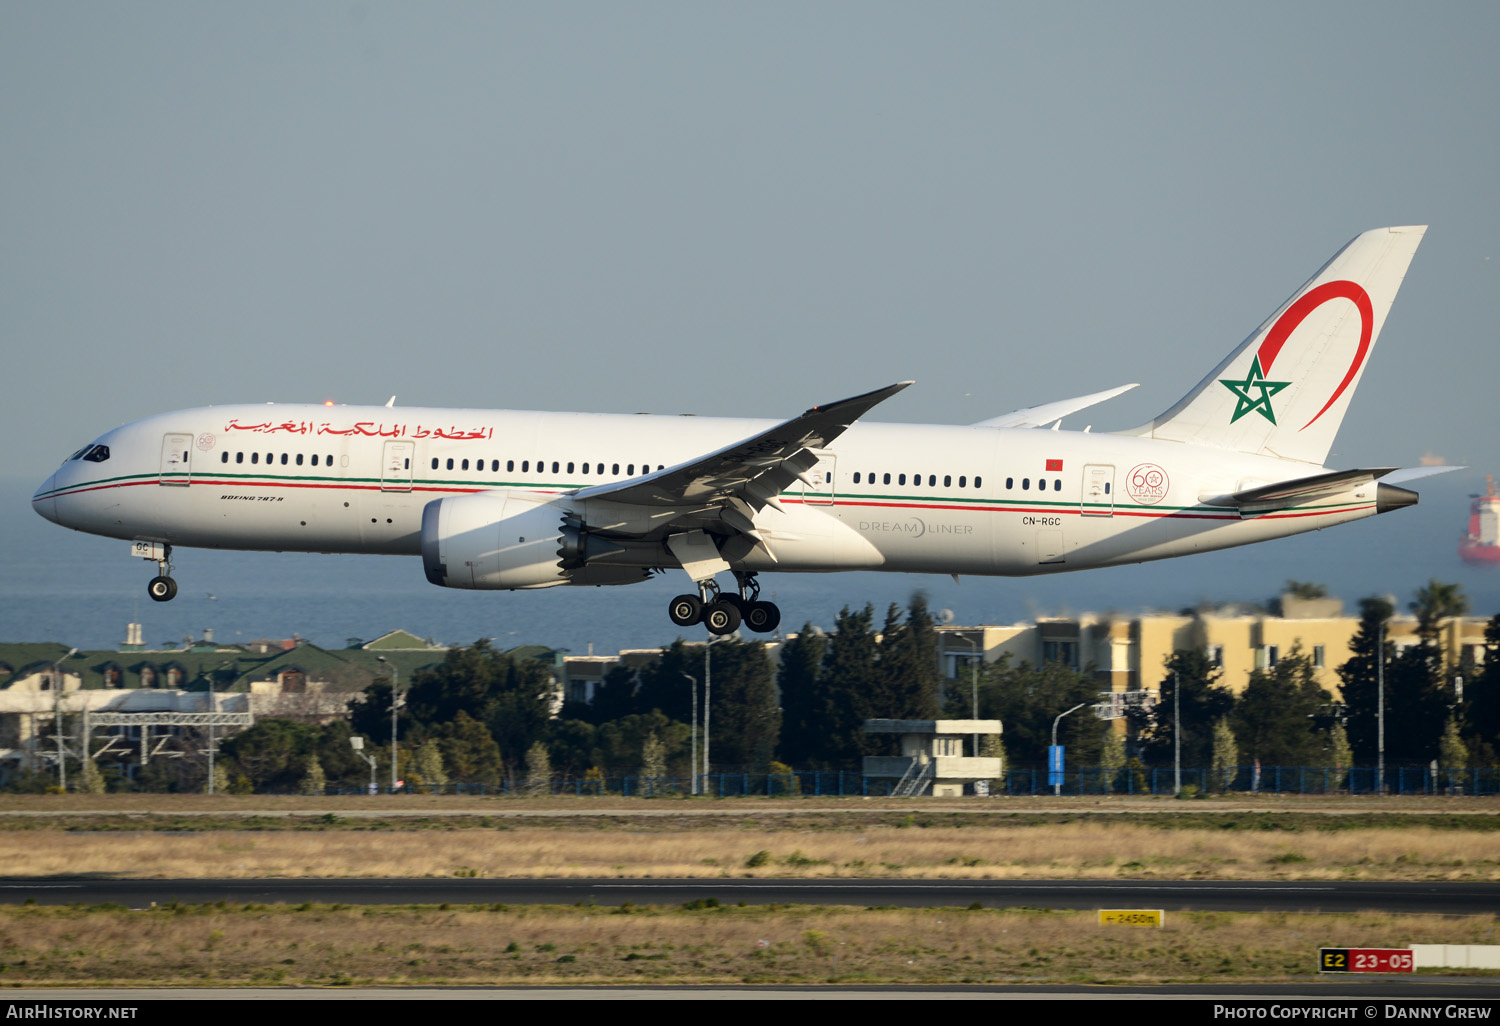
x: 162, y: 589
x: 722, y: 617
x: 684, y: 610
x: 762, y: 617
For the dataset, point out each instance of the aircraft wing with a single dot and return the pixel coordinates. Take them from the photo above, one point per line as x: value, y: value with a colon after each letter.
x: 1036, y: 416
x: 754, y: 470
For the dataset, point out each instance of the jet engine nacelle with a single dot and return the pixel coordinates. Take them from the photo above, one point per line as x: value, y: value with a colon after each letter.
x: 494, y: 540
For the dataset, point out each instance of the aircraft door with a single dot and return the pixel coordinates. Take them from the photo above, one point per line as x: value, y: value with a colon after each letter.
x: 1098, y: 490
x: 395, y: 471
x: 822, y: 477
x: 176, y: 459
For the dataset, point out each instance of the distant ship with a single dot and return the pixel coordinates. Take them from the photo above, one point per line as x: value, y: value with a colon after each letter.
x: 1481, y: 547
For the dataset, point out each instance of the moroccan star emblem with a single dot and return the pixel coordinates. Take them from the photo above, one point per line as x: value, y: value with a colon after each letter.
x: 1254, y: 393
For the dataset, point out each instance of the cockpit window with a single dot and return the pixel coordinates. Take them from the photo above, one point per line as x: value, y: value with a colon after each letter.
x: 78, y: 455
x: 97, y: 454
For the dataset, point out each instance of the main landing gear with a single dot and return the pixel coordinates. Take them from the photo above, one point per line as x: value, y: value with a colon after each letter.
x: 723, y: 614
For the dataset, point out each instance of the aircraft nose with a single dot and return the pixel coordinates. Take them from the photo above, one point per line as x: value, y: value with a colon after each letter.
x: 44, y: 502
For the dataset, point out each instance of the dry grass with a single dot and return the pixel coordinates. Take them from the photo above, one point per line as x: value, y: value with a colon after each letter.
x: 988, y: 850
x: 206, y: 945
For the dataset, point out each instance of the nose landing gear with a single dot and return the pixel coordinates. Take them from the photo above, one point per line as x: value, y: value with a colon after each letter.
x: 162, y: 588
x: 723, y: 614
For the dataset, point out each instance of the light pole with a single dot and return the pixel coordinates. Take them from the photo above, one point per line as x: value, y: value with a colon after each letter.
x: 1057, y: 787
x: 974, y: 662
x: 57, y: 721
x: 707, y: 684
x: 213, y: 709
x: 1380, y: 708
x: 693, y: 732
x: 392, y: 667
x: 358, y: 744
x: 1176, y: 734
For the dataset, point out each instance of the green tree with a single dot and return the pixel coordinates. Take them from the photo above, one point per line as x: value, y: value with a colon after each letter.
x: 1435, y: 603
x: 1483, y: 720
x: 803, y: 715
x: 1340, y: 755
x: 745, y: 719
x: 1027, y: 699
x: 1360, y: 674
x: 538, y: 769
x: 1111, y: 758
x: 1226, y: 757
x: 847, y: 686
x: 313, y: 779
x: 273, y: 753
x: 470, y: 754
x: 653, y: 762
x: 907, y: 681
x: 1452, y: 755
x: 427, y: 763
x: 1274, y: 717
x: 510, y: 698
x: 90, y: 780
x: 1204, y: 702
x: 371, y: 717
x: 620, y: 742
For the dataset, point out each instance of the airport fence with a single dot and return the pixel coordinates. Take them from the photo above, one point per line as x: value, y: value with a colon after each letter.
x: 1306, y: 780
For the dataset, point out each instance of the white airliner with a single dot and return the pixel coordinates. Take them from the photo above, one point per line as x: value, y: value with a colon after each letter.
x: 515, y: 500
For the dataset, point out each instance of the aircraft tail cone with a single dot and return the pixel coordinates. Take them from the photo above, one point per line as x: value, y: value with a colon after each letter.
x: 1389, y: 497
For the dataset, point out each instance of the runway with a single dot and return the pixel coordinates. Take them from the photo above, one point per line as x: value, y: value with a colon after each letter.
x: 1439, y: 898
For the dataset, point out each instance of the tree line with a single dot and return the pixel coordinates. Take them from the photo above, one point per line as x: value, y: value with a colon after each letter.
x: 483, y: 716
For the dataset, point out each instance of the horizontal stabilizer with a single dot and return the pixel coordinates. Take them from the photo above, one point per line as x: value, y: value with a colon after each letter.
x: 1299, y: 491
x: 1036, y: 416
x: 1415, y: 474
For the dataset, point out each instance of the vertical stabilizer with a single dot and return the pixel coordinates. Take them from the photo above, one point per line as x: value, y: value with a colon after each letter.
x: 1284, y: 390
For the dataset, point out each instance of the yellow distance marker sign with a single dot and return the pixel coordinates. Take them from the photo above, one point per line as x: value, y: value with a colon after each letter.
x: 1132, y: 917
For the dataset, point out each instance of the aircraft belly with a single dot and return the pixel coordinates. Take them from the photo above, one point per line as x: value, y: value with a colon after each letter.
x: 259, y: 518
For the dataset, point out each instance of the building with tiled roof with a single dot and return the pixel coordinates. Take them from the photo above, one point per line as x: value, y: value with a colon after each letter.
x: 41, y: 681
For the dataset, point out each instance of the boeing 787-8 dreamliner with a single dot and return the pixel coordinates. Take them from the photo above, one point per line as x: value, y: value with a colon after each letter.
x: 517, y: 500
